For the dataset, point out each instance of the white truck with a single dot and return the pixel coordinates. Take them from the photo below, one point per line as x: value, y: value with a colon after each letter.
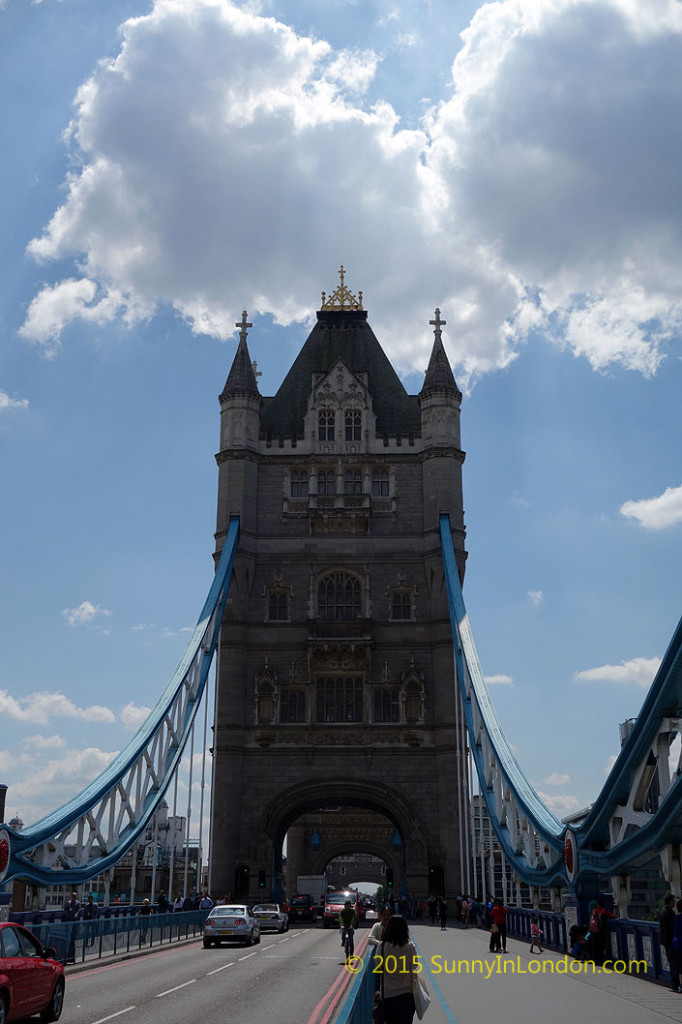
x: 315, y: 886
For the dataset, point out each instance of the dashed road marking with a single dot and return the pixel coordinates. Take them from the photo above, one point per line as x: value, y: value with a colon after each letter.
x: 169, y: 990
x: 224, y: 967
x: 112, y: 1015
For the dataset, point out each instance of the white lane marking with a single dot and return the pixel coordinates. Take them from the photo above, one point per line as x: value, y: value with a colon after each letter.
x: 248, y: 955
x: 112, y: 1015
x: 169, y: 990
x: 224, y: 967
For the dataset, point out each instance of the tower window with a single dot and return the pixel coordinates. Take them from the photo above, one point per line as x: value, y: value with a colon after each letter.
x: 339, y: 699
x: 353, y: 425
x: 326, y: 482
x: 386, y: 706
x: 325, y: 425
x: 401, y: 605
x: 292, y: 706
x: 299, y: 484
x: 338, y: 597
x: 352, y: 483
x: 278, y: 606
x: 380, y: 483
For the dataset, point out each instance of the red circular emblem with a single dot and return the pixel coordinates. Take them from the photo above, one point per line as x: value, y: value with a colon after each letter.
x: 4, y: 854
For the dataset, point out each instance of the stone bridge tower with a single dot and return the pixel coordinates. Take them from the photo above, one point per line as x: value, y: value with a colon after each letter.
x: 336, y: 680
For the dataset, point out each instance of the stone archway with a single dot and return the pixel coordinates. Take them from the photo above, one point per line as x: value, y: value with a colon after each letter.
x: 410, y: 865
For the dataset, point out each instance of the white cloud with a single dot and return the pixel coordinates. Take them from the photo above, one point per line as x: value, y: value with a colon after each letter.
x: 7, y: 760
x: 611, y: 760
x: 499, y: 680
x: 656, y: 513
x: 536, y: 597
x: 561, y: 804
x: 44, y: 742
x: 557, y: 779
x: 85, y: 612
x: 7, y: 402
x: 133, y: 715
x: 639, y: 671
x: 42, y: 791
x: 221, y: 155
x: 40, y: 707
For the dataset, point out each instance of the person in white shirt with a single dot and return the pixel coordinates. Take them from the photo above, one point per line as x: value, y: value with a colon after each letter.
x: 377, y: 931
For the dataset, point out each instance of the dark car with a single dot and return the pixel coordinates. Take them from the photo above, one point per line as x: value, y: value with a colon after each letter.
x: 31, y: 979
x: 302, y: 908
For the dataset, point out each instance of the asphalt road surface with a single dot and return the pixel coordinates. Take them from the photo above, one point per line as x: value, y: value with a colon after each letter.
x: 293, y: 978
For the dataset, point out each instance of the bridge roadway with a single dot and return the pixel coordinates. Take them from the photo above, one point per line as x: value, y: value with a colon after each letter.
x: 298, y: 978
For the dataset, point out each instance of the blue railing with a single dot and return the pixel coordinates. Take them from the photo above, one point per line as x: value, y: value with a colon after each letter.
x: 120, y: 933
x: 627, y: 940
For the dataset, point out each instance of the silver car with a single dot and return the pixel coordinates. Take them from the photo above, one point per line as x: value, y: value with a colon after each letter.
x: 271, y: 917
x: 233, y: 922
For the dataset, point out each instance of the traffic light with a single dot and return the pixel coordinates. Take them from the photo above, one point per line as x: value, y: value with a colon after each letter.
x: 261, y: 879
x: 389, y: 877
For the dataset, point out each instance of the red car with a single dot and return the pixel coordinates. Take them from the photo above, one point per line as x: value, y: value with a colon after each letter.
x: 31, y: 980
x: 334, y: 904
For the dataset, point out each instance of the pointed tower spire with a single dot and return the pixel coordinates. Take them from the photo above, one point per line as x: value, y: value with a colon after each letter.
x: 439, y: 375
x: 241, y: 380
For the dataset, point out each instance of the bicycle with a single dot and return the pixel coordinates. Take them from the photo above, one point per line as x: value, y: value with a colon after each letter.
x: 348, y: 942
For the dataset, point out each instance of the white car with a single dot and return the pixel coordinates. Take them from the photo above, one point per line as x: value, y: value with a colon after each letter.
x: 232, y: 922
x: 271, y: 917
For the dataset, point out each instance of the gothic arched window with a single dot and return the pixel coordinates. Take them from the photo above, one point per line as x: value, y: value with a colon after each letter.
x: 386, y: 706
x: 326, y: 482
x: 339, y: 699
x: 325, y: 425
x: 339, y: 597
x: 278, y: 606
x: 299, y: 484
x: 292, y: 706
x: 380, y: 483
x: 401, y: 605
x: 352, y: 482
x: 353, y: 425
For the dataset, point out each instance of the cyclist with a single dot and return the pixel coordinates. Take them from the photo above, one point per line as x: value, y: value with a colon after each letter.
x: 348, y: 922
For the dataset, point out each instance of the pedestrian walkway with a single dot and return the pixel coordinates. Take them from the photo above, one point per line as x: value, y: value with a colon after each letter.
x: 504, y: 987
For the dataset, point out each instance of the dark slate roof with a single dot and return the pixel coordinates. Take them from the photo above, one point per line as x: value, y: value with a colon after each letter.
x: 241, y: 378
x: 342, y: 334
x: 439, y: 375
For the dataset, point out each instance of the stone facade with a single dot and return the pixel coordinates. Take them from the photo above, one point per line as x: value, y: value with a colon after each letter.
x: 336, y: 679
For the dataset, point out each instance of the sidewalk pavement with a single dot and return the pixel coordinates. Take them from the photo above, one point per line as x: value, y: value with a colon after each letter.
x: 503, y: 987
x: 92, y: 963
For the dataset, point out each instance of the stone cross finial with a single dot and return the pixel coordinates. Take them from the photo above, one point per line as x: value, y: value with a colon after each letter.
x: 437, y: 324
x: 254, y: 365
x: 244, y: 326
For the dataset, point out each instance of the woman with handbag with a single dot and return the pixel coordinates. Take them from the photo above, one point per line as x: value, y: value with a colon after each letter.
x: 399, y: 973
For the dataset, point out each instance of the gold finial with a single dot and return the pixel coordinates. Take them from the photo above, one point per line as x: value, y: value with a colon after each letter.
x: 341, y: 297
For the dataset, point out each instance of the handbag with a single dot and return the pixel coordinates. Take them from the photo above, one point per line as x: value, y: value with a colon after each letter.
x: 422, y: 999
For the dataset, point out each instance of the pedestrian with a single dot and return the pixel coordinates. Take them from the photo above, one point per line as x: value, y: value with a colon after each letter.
x: 398, y: 952
x: 90, y: 913
x: 498, y: 920
x: 666, y: 921
x: 535, y: 934
x: 164, y: 905
x: 145, y: 913
x: 433, y: 909
x: 443, y: 912
x: 465, y: 911
x: 677, y: 947
x: 72, y: 909
x: 177, y: 903
x: 596, y: 927
x: 205, y: 903
x: 187, y: 903
x: 379, y: 927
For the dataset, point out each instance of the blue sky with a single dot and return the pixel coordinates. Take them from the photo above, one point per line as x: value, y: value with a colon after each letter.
x: 169, y: 165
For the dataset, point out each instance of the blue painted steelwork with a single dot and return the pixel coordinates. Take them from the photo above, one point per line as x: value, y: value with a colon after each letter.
x: 621, y: 830
x: 483, y: 726
x: 91, y: 832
